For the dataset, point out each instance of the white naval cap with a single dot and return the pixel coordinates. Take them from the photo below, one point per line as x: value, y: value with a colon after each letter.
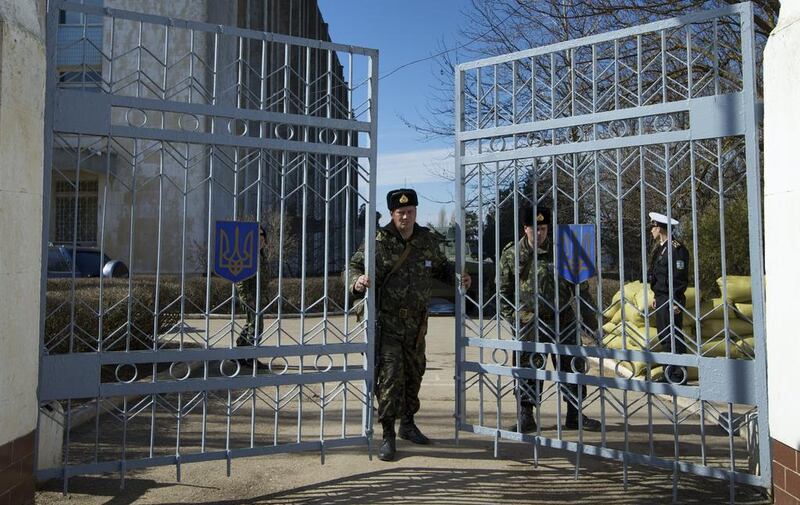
x: 662, y: 219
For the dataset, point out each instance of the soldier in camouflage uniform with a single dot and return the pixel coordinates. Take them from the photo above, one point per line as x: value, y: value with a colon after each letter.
x: 544, y: 273
x: 407, y: 257
x: 247, y: 291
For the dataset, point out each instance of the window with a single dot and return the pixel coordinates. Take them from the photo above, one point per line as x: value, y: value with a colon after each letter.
x: 79, y: 52
x: 66, y: 199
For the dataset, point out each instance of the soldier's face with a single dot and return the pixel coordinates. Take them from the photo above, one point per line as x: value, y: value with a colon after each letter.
x: 655, y: 231
x: 541, y: 234
x: 537, y: 235
x: 404, y: 217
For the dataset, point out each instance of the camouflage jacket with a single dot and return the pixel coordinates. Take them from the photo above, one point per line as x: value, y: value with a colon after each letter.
x: 246, y: 289
x: 547, y: 276
x: 403, y: 299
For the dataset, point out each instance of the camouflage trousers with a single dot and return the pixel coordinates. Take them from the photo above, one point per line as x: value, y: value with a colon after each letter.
x: 527, y: 388
x: 401, y: 367
x: 248, y: 333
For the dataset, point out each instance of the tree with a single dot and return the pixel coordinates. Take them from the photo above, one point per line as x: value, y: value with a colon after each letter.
x: 496, y: 27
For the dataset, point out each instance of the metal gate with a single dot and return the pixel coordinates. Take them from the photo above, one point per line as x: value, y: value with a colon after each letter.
x: 158, y: 128
x: 604, y: 129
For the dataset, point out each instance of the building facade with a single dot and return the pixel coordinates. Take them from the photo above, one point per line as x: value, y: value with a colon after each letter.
x: 151, y: 204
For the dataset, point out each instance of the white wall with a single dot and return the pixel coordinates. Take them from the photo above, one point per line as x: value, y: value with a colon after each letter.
x: 782, y: 222
x: 119, y: 201
x: 22, y: 61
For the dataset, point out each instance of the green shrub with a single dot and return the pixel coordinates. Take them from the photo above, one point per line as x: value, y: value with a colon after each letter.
x: 120, y: 334
x: 709, y: 244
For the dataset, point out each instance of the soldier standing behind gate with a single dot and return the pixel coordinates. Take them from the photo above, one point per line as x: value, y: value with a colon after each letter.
x: 247, y: 291
x: 536, y: 228
x: 407, y: 258
x: 658, y: 276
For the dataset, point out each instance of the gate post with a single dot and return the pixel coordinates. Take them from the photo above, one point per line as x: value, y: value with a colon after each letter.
x: 781, y: 212
x: 22, y: 65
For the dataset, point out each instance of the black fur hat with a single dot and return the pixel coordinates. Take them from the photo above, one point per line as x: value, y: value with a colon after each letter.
x: 402, y: 197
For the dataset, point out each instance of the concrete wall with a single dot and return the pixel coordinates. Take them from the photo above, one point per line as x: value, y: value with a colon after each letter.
x: 146, y: 203
x: 782, y: 236
x: 22, y: 62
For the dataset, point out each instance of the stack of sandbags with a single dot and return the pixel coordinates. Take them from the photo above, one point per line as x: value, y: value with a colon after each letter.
x: 711, y: 316
x: 636, y: 304
x: 740, y: 324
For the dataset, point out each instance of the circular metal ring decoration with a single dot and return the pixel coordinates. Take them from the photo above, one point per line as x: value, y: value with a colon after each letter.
x: 179, y: 376
x: 316, y: 363
x: 131, y: 118
x: 574, y: 134
x: 323, y: 133
x: 533, y: 140
x: 497, y: 361
x: 121, y: 367
x: 664, y: 123
x: 670, y: 374
x: 287, y: 129
x: 186, y: 119
x: 285, y: 365
x: 629, y: 368
x: 237, y: 127
x: 538, y: 361
x: 617, y: 128
x: 223, y: 369
x: 578, y: 364
x: 493, y: 144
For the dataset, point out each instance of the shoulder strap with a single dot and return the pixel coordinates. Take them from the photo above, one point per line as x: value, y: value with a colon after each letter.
x: 402, y: 259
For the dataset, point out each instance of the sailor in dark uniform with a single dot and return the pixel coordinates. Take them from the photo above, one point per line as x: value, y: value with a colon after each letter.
x: 658, y: 276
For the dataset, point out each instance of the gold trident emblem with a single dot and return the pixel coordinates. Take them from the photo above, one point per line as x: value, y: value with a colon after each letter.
x: 231, y: 257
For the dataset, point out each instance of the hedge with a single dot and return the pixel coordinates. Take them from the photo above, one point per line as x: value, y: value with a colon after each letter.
x: 115, y: 307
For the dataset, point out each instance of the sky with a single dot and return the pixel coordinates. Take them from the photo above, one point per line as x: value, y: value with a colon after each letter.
x: 404, y: 31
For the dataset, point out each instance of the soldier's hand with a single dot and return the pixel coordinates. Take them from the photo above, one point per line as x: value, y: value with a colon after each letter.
x: 466, y: 281
x: 653, y: 304
x: 362, y: 283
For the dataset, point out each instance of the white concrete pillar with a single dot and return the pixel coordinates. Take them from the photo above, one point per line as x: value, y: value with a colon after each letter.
x: 22, y: 74
x: 782, y: 236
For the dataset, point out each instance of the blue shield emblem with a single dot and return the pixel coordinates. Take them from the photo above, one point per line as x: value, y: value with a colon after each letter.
x: 576, y: 252
x: 236, y: 250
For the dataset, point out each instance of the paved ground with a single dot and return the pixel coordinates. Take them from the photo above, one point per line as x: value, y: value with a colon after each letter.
x: 442, y: 473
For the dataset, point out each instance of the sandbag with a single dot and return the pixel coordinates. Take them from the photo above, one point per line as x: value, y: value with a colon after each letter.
x: 632, y: 315
x: 639, y: 369
x: 691, y: 295
x: 610, y: 327
x: 712, y: 309
x: 716, y: 348
x: 712, y: 327
x: 611, y: 311
x: 635, y: 338
x: 739, y: 288
x: 630, y: 288
x: 639, y: 300
x: 744, y: 310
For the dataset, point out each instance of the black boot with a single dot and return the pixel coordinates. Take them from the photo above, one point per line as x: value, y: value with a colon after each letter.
x: 589, y: 424
x: 388, y: 448
x: 410, y: 432
x: 527, y: 423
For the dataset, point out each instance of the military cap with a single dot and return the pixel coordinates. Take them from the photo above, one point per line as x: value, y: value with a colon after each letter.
x: 401, y: 198
x: 542, y: 216
x: 657, y: 219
